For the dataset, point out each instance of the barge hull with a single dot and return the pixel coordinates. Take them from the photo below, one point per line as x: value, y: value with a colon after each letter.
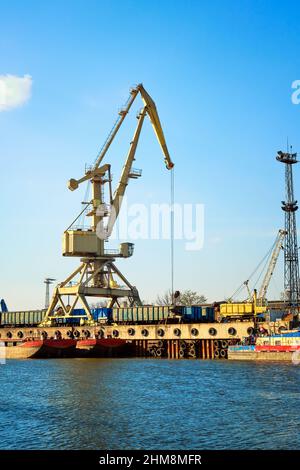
x: 104, y: 347
x: 39, y: 349
x: 261, y: 356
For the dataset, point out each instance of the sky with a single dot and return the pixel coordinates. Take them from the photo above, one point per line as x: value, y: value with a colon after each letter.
x: 221, y: 74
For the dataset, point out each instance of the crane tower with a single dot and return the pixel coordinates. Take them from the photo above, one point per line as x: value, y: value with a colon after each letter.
x: 289, y: 206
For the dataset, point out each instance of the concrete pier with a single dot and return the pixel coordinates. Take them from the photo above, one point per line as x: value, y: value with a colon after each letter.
x: 173, y: 341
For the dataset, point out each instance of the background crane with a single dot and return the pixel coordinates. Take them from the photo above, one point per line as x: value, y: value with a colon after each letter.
x: 256, y: 303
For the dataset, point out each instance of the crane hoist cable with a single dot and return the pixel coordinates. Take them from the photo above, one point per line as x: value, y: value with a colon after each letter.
x: 85, y: 201
x: 79, y: 215
x: 172, y: 232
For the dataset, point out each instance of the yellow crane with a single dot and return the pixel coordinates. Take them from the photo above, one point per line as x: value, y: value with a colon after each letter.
x: 94, y: 277
x: 255, y: 303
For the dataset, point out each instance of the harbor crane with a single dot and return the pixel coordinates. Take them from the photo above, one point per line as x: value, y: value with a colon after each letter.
x: 256, y: 303
x: 97, y: 273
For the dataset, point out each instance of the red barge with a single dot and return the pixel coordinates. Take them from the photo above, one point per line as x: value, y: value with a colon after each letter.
x: 43, y: 348
x: 101, y: 347
x: 59, y: 348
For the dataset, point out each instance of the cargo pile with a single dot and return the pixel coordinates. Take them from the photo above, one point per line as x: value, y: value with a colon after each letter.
x: 146, y: 314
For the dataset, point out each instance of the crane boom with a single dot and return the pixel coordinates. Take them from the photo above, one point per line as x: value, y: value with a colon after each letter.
x: 126, y: 172
x: 155, y: 121
x: 266, y: 281
x: 122, y: 114
x: 246, y: 284
x: 151, y: 110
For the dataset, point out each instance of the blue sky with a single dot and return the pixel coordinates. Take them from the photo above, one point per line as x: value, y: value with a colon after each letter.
x: 220, y: 73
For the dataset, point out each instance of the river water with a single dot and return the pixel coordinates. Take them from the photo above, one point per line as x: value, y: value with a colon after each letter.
x: 148, y: 404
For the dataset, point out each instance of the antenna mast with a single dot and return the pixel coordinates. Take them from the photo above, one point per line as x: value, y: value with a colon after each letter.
x: 289, y: 206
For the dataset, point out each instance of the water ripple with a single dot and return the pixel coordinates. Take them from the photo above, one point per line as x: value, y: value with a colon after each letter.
x: 148, y: 404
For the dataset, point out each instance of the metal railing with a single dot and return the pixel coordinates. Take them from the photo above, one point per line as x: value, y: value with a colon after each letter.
x: 135, y: 172
x: 111, y: 252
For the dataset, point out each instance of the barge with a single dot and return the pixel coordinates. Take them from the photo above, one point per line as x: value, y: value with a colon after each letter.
x: 37, y: 348
x: 277, y: 347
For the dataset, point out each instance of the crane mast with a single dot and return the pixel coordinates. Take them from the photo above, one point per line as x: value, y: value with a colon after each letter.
x: 246, y: 284
x: 95, y: 277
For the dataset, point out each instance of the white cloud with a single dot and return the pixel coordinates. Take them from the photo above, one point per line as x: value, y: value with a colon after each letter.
x: 14, y: 91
